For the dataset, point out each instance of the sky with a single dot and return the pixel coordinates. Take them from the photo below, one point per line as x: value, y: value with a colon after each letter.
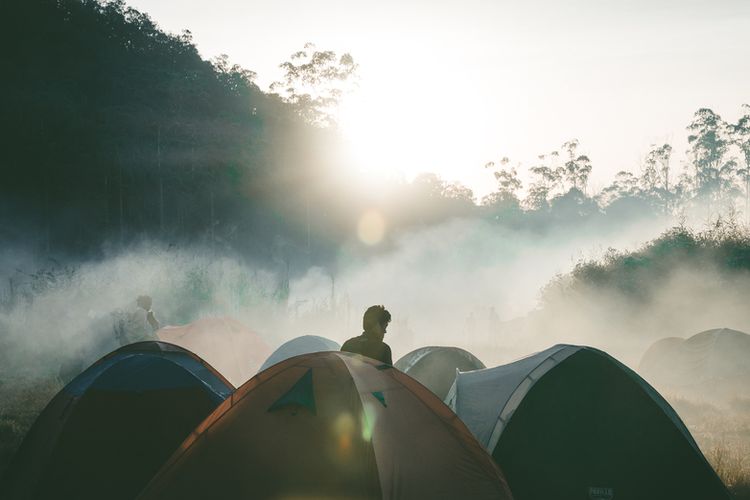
x: 447, y: 85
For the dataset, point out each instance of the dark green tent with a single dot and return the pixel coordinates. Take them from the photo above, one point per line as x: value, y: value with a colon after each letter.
x: 572, y: 422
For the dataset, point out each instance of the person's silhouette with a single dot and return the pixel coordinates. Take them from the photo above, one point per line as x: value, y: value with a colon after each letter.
x: 370, y: 343
x: 144, y: 302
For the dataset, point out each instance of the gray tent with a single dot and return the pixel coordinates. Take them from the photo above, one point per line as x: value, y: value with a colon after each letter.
x: 711, y: 364
x: 435, y: 366
x: 306, y: 344
x: 573, y: 422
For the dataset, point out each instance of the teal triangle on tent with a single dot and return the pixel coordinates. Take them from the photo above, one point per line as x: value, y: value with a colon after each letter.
x: 301, y: 394
x: 380, y: 397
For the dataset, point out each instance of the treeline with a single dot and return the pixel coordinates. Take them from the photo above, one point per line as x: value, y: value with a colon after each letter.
x: 115, y: 132
x: 715, y: 176
x: 678, y: 284
x: 723, y: 249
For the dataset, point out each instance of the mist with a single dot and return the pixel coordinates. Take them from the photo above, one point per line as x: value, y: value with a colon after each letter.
x: 464, y: 282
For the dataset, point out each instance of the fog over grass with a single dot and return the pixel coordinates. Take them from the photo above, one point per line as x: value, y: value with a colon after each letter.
x: 439, y: 283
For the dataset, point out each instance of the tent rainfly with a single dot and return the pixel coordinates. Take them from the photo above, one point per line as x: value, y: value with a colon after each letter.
x: 435, y: 366
x: 711, y: 364
x: 330, y: 425
x: 230, y: 346
x: 572, y: 422
x: 107, y: 432
x: 306, y: 344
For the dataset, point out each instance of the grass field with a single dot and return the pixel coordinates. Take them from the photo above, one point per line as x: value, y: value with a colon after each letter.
x: 724, y: 436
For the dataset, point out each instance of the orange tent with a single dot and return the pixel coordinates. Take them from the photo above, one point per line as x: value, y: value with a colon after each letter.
x: 235, y: 350
x: 107, y: 432
x: 330, y: 425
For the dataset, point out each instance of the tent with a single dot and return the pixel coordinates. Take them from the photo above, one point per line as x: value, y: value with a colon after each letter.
x: 305, y: 344
x: 231, y: 347
x: 330, y: 425
x: 573, y: 422
x: 107, y: 432
x: 709, y: 365
x: 435, y: 366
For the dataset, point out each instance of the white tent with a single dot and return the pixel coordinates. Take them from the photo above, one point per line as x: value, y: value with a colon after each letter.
x: 435, y: 367
x: 486, y: 399
x: 306, y: 344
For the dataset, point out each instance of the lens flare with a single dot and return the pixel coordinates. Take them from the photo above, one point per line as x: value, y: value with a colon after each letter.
x: 368, y: 416
x: 344, y: 427
x: 371, y: 228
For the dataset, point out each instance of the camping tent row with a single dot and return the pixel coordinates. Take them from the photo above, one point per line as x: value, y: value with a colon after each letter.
x: 569, y: 422
x: 107, y: 432
x: 324, y: 425
x: 573, y: 422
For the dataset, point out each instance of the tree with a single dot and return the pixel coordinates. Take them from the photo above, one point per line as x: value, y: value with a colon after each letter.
x: 315, y: 81
x: 625, y: 185
x: 741, y: 138
x: 459, y: 192
x: 508, y: 184
x: 546, y: 179
x: 708, y: 145
x: 575, y: 171
x: 655, y: 178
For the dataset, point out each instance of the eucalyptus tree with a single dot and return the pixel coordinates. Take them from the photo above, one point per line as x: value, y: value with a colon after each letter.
x: 655, y: 177
x: 545, y: 179
x: 315, y: 81
x: 741, y: 138
x: 625, y: 185
x: 577, y: 167
x: 508, y: 184
x: 708, y: 145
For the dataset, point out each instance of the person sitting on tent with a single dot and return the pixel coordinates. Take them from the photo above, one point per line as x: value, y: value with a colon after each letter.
x: 370, y: 343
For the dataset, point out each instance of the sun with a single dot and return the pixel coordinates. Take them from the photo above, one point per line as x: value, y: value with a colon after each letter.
x: 374, y: 143
x: 394, y: 130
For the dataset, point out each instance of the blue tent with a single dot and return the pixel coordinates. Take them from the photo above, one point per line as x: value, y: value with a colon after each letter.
x: 109, y: 430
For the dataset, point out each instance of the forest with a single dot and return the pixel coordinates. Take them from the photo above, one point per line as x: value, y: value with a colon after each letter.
x: 117, y: 132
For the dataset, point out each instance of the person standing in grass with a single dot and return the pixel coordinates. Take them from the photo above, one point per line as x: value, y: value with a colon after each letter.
x: 144, y: 302
x: 370, y: 343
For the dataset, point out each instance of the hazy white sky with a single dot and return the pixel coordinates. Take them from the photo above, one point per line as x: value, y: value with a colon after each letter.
x: 447, y: 85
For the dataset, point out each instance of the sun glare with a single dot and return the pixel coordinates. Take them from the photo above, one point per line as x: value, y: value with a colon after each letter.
x: 371, y: 228
x: 395, y: 130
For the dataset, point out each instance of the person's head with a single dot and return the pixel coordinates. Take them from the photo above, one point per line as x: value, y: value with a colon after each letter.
x: 144, y: 302
x: 375, y: 321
